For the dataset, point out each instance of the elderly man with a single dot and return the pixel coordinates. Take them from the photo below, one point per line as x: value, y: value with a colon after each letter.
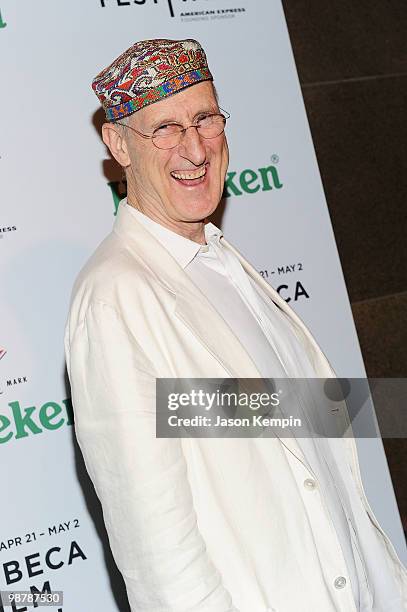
x: 204, y: 524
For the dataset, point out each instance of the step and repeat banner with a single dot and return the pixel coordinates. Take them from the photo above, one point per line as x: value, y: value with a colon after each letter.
x: 59, y: 194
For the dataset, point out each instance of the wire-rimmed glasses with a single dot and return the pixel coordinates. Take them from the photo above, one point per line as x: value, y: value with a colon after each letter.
x: 169, y: 135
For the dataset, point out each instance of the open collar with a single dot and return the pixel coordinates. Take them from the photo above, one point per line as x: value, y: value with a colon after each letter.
x: 182, y: 249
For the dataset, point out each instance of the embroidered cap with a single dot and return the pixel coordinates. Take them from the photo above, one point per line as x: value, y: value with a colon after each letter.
x: 147, y: 72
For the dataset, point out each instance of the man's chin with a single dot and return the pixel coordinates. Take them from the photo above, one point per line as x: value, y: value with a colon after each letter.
x: 193, y: 204
x: 195, y: 210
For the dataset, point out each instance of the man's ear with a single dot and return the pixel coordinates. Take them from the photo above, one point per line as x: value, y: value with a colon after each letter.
x: 114, y: 140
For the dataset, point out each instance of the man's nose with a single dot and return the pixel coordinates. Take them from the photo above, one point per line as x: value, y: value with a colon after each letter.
x: 192, y: 146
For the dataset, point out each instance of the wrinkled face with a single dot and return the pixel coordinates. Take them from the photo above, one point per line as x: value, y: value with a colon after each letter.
x: 184, y: 183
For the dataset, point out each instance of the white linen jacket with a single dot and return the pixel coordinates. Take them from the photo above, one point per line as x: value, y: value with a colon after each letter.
x: 192, y: 523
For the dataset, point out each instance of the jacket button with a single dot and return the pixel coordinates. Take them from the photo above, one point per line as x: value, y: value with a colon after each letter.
x: 309, y: 483
x: 340, y: 582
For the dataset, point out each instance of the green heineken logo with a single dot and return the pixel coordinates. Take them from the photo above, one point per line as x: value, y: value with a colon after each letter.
x: 2, y: 23
x: 251, y: 181
x: 22, y: 422
x: 246, y: 181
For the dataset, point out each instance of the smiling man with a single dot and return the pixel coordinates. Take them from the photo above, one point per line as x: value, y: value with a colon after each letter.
x: 204, y: 524
x: 179, y: 181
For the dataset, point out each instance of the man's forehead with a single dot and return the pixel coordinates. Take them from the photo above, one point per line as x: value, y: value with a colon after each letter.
x: 190, y: 102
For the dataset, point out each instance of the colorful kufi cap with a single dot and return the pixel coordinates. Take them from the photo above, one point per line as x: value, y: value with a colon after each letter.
x: 148, y: 72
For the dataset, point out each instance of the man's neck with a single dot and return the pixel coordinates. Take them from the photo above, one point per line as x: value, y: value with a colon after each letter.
x: 194, y: 231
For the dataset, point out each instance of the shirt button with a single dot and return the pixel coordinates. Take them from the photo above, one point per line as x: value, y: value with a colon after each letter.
x: 309, y: 483
x: 340, y: 582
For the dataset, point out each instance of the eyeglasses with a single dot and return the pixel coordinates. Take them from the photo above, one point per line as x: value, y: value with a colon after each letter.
x: 169, y: 135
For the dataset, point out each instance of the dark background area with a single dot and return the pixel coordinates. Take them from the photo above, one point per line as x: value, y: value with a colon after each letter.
x: 351, y: 59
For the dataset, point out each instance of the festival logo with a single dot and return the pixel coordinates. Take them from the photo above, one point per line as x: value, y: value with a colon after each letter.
x: 190, y: 10
x: 119, y: 3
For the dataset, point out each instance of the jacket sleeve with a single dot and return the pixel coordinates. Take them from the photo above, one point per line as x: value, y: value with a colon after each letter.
x: 141, y: 480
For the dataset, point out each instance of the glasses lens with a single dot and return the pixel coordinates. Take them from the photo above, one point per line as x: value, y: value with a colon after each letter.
x: 211, y: 126
x: 167, y: 136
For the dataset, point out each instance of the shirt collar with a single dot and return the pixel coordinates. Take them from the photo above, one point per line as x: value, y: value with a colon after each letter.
x: 182, y: 249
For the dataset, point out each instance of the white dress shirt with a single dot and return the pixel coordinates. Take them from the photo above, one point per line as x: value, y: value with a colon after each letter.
x: 266, y: 333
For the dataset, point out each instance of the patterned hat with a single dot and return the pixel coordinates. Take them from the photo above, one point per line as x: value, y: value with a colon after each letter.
x: 148, y: 72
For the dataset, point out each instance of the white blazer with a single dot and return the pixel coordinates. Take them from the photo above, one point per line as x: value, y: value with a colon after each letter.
x: 186, y: 517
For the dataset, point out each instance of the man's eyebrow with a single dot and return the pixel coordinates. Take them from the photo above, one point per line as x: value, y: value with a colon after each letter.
x: 169, y: 119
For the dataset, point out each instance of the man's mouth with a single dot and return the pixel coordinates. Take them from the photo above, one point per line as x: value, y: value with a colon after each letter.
x: 190, y: 177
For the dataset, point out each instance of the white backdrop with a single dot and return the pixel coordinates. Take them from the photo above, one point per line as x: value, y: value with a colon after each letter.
x: 57, y: 205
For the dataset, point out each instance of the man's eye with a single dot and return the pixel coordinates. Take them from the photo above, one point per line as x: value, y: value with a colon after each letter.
x: 167, y: 129
x: 205, y: 120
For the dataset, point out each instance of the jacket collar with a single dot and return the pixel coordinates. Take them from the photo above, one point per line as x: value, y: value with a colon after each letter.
x: 182, y: 249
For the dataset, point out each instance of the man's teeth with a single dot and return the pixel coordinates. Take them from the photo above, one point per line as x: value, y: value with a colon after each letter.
x: 189, y: 175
